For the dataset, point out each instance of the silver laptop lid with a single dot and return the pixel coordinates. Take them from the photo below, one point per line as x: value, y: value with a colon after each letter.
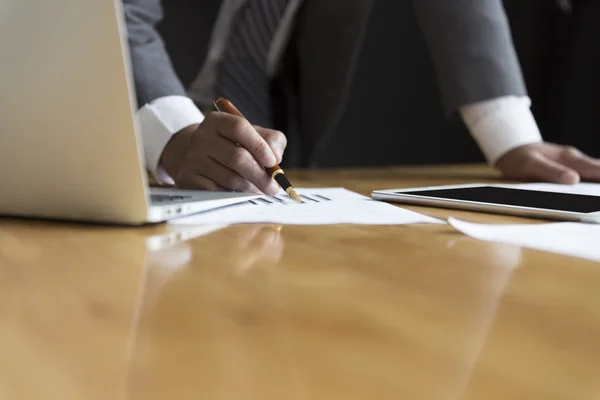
x: 68, y: 146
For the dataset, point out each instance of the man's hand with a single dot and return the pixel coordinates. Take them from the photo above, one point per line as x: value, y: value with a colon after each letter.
x: 549, y: 162
x: 224, y: 152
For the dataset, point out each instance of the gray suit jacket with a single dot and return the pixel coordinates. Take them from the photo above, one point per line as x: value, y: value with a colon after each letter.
x: 469, y: 42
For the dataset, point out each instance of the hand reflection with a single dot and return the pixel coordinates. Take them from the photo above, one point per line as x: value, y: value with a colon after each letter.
x: 249, y: 246
x: 169, y: 263
x: 256, y: 244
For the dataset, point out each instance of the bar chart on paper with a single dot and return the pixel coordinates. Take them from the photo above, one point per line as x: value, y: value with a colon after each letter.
x: 286, y: 200
x: 321, y: 206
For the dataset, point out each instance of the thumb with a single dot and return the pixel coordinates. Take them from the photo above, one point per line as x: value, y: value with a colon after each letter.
x: 545, y: 169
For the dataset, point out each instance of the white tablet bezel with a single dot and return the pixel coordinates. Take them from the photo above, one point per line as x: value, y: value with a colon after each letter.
x: 397, y: 196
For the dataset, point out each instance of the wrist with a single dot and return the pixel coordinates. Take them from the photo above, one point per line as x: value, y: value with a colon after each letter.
x: 501, y: 125
x: 176, y: 149
x: 158, y: 121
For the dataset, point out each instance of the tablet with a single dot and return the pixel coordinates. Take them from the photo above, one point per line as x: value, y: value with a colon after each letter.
x: 500, y: 199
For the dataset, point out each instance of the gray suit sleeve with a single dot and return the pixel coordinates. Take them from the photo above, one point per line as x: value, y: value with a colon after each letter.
x: 153, y: 71
x: 472, y: 50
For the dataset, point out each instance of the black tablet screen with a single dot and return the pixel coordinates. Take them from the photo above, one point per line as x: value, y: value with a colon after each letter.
x: 515, y: 197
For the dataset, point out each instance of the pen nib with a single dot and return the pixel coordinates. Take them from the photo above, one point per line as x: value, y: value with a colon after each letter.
x: 295, y: 196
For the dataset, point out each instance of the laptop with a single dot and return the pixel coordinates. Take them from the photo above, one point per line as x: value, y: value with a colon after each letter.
x: 70, y: 147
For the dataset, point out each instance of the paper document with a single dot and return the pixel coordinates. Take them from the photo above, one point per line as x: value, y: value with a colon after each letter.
x: 591, y: 189
x: 320, y: 207
x: 567, y: 238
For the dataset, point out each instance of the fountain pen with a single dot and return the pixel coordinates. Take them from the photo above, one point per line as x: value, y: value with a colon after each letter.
x: 276, y: 172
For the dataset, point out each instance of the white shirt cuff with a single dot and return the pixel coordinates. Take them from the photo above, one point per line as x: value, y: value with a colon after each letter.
x: 501, y: 124
x: 158, y: 121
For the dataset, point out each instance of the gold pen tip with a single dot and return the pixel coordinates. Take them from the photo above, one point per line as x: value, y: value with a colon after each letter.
x: 295, y: 196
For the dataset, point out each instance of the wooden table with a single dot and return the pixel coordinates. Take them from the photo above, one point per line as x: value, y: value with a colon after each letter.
x: 263, y: 312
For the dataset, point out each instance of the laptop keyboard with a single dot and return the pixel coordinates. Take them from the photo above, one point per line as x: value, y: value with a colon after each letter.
x: 166, y: 198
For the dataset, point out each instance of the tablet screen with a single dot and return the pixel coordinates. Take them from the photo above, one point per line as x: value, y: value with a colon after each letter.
x: 516, y: 197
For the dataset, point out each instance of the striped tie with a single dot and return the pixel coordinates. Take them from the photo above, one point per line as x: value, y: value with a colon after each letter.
x: 242, y: 76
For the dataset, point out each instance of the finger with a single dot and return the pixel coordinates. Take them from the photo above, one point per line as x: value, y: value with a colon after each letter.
x: 239, y: 160
x: 540, y: 167
x: 227, y: 178
x: 218, y: 173
x: 587, y: 167
x: 240, y: 131
x: 275, y: 139
x: 190, y: 181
